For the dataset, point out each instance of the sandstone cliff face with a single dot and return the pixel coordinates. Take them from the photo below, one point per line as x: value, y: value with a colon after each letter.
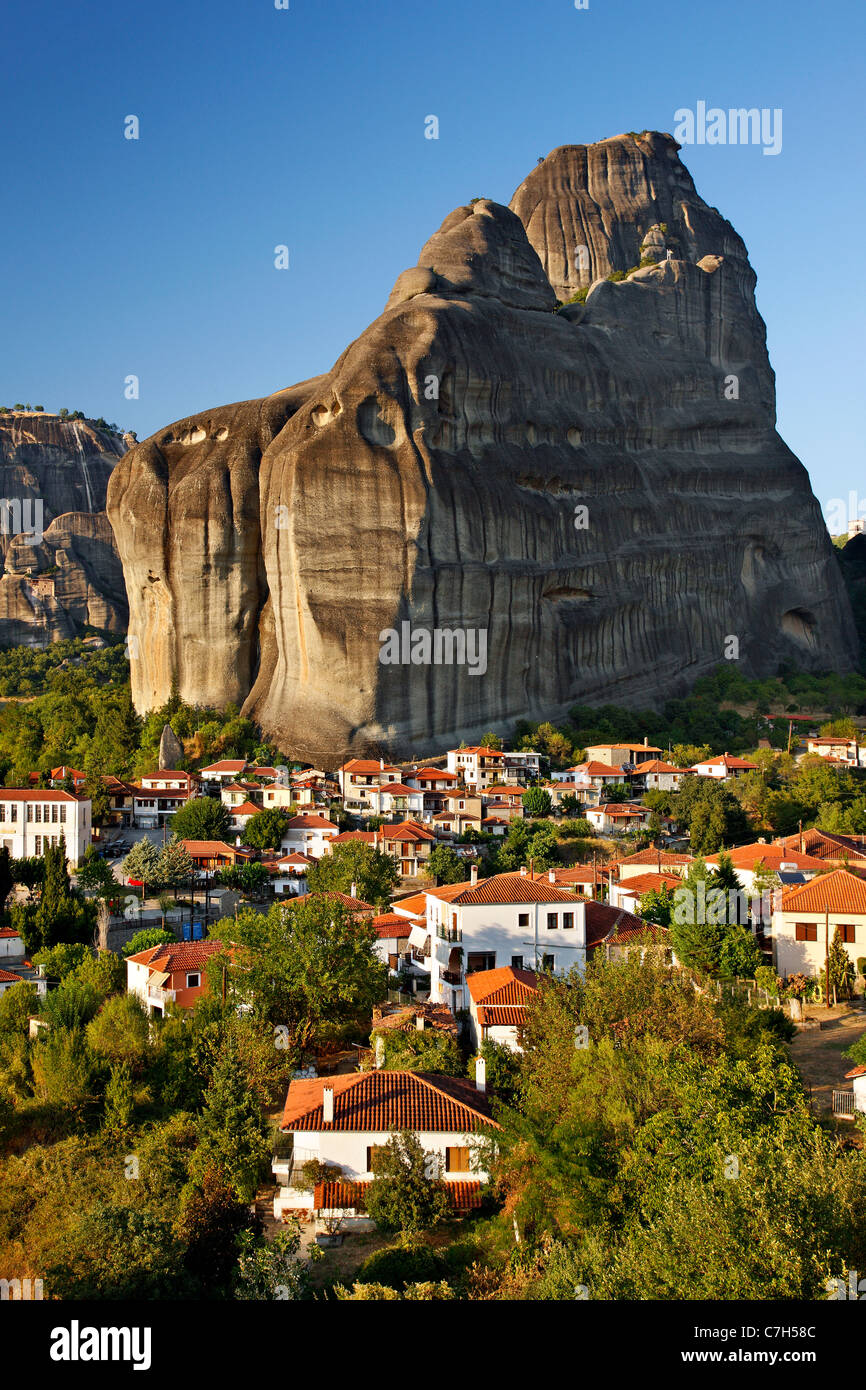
x: 59, y: 568
x: 575, y: 485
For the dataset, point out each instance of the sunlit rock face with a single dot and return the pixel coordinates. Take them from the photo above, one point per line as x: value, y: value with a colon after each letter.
x: 595, y: 499
x: 59, y: 567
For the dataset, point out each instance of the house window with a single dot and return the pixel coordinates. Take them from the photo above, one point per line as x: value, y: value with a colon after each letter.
x: 193, y: 980
x: 567, y: 920
x: 2, y: 812
x: 457, y: 1160
x: 38, y: 844
x: 547, y: 963
x: 523, y: 919
x: 846, y: 933
x: 62, y: 815
x: 54, y: 813
x: 552, y: 921
x: 480, y: 960
x: 517, y: 962
x: 37, y: 811
x: 806, y: 931
x: 13, y: 812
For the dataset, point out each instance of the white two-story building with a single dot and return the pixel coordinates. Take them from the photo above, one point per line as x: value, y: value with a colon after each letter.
x: 31, y: 820
x: 510, y: 919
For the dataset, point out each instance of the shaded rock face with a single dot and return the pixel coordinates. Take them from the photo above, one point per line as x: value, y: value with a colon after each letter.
x: 601, y: 493
x: 59, y: 566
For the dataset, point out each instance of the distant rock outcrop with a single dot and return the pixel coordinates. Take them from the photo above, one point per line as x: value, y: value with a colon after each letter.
x: 170, y: 749
x: 600, y: 491
x: 59, y: 567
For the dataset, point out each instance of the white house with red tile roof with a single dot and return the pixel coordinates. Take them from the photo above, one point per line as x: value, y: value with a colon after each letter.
x: 9, y: 978
x: 171, y: 973
x: 32, y: 820
x: 617, y: 817
x: 772, y: 858
x: 585, y: 879
x: 657, y: 775
x: 310, y: 834
x: 647, y: 859
x: 497, y: 1005
x: 395, y: 798
x: 392, y: 932
x: 476, y: 766
x: 857, y: 1077
x: 63, y: 774
x: 432, y: 779
x: 842, y: 750
x: 11, y: 944
x: 408, y: 843
x: 807, y: 916
x: 289, y: 873
x: 841, y: 851
x: 627, y: 893
x: 226, y: 770
x: 162, y: 794
x: 358, y: 774
x: 510, y: 919
x: 342, y: 1120
x: 724, y: 767
x: 208, y: 855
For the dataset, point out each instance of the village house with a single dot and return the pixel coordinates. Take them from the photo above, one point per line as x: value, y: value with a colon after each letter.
x: 432, y: 779
x: 31, y: 820
x: 656, y: 775
x: 210, y: 855
x: 279, y: 796
x: 627, y: 893
x: 234, y: 794
x: 289, y: 874
x: 748, y: 859
x: 343, y: 1120
x: 161, y: 795
x: 724, y: 767
x: 392, y: 944
x: 11, y: 944
x: 841, y: 750
x: 359, y: 774
x: 497, y: 1005
x: 241, y: 815
x: 395, y: 799
x: 121, y: 804
x: 309, y: 834
x: 620, y: 755
x: 523, y: 767
x: 806, y: 919
x: 835, y: 851
x: 648, y: 859
x: 228, y: 770
x: 618, y: 817
x: 409, y: 844
x: 509, y: 919
x: 59, y: 775
x: 173, y: 973
x: 477, y: 767
x: 588, y: 880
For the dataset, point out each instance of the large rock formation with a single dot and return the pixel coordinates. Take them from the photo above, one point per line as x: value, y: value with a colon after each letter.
x: 59, y: 567
x: 600, y: 491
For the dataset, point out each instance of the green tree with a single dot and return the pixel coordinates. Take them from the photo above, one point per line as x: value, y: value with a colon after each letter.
x: 211, y: 1221
x: 233, y: 1134
x: 266, y: 829
x: 146, y: 938
x: 175, y: 867
x: 268, y: 1269
x: 446, y: 866
x: 699, y: 920
x: 726, y: 874
x: 739, y: 954
x: 142, y: 865
x: 120, y: 1032
x: 374, y: 874
x: 428, y: 1050
x: 119, y: 1100
x: 536, y: 802
x: 61, y: 915
x: 308, y: 966
x: 95, y: 875
x: 203, y: 818
x: 401, y: 1197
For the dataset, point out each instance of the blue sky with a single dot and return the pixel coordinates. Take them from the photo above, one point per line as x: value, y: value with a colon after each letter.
x: 305, y: 127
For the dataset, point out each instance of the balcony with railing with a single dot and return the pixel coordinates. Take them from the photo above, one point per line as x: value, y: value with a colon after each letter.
x: 448, y: 933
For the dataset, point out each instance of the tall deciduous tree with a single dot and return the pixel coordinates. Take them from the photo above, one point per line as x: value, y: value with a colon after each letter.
x: 402, y: 1195
x: 374, y: 874
x: 203, y: 818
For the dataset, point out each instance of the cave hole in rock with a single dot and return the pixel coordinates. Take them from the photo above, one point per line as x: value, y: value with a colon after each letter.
x: 799, y: 623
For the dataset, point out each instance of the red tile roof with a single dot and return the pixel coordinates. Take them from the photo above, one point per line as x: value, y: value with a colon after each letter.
x: 207, y: 849
x: 824, y: 845
x: 504, y: 985
x: 340, y: 1196
x: 365, y: 767
x: 178, y: 955
x: 246, y: 808
x: 36, y: 794
x: 502, y: 889
x: 655, y: 856
x: 407, y: 830
x: 488, y: 752
x: 728, y: 761
x: 9, y: 977
x: 596, y: 769
x: 837, y: 892
x: 227, y: 765
x: 393, y: 926
x: 770, y: 856
x: 373, y: 1102
x: 435, y: 773
x: 311, y: 822
x: 656, y: 765
x: 650, y: 883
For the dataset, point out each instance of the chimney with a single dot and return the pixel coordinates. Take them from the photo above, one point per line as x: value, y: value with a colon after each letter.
x: 419, y: 1022
x: 473, y: 875
x: 646, y: 741
x: 481, y: 1075
x: 523, y: 871
x: 381, y: 764
x: 328, y: 1105
x: 353, y: 892
x: 551, y: 876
